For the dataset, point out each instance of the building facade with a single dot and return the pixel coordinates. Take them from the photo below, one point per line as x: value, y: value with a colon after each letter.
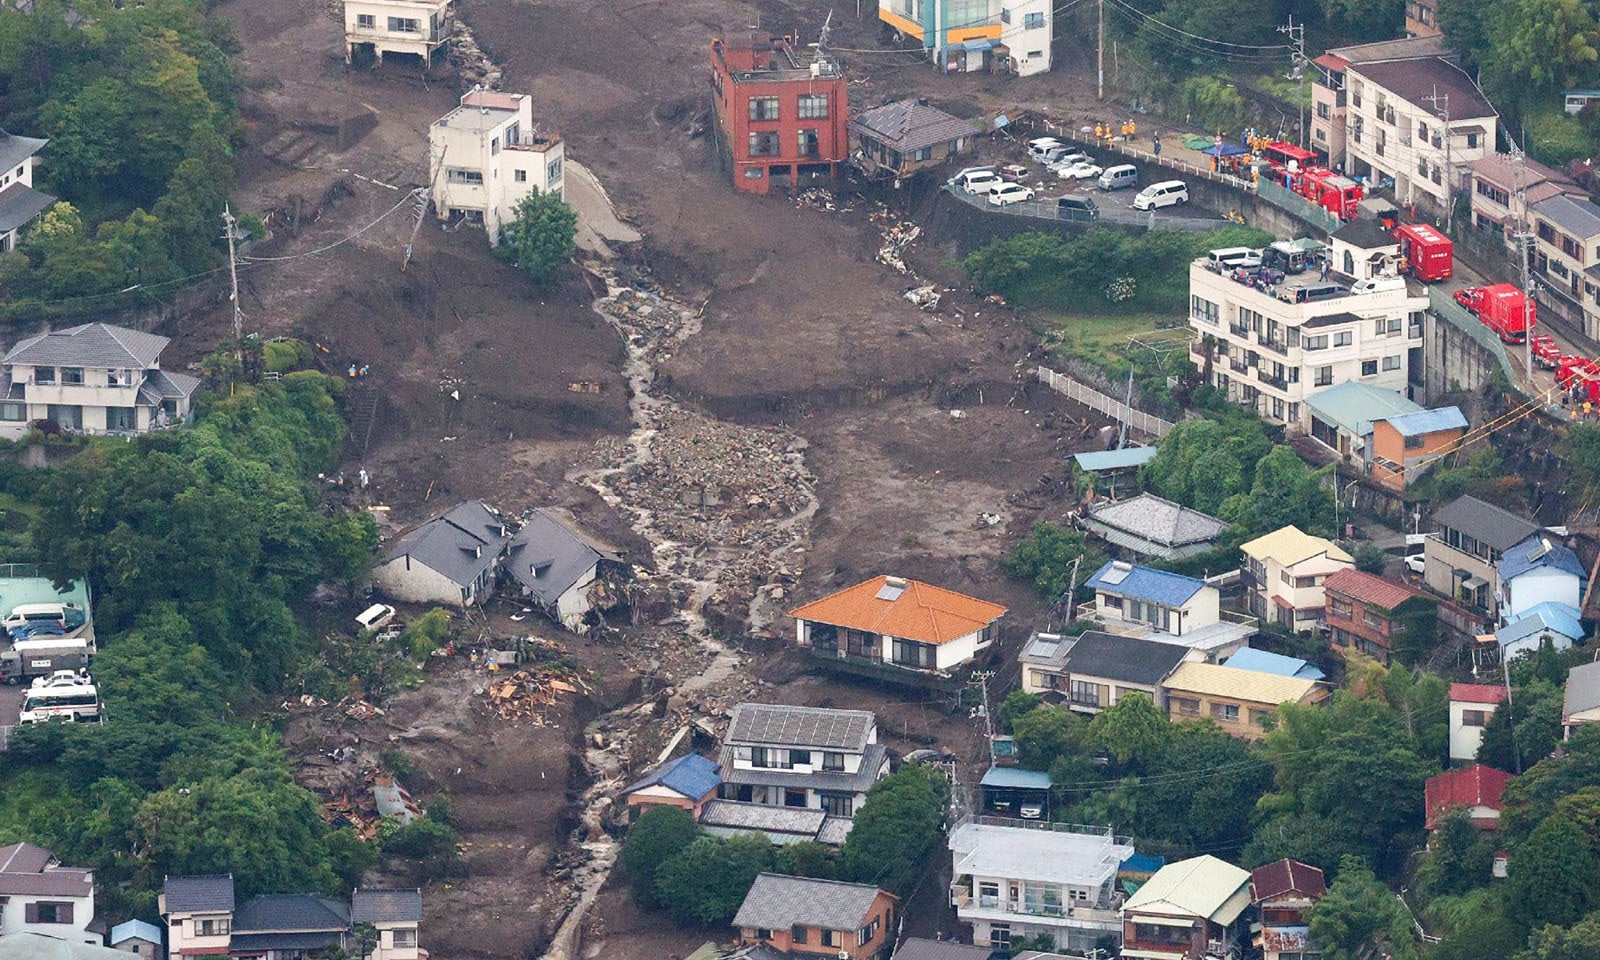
x: 899, y: 139
x: 1096, y: 670
x: 93, y: 379
x: 417, y: 28
x: 803, y: 757
x: 1539, y: 570
x: 19, y: 202
x: 1186, y: 911
x: 1471, y: 706
x: 1237, y: 701
x: 1125, y: 593
x: 1269, y: 354
x: 1419, y: 123
x: 1329, y: 103
x: 1566, y: 257
x: 1366, y: 612
x: 779, y: 119
x: 897, y: 626
x: 966, y: 36
x: 1422, y: 18
x: 802, y: 917
x: 1461, y: 556
x: 1283, y: 893
x: 39, y: 895
x: 1504, y: 187
x: 1284, y: 572
x: 486, y: 155
x: 1015, y: 878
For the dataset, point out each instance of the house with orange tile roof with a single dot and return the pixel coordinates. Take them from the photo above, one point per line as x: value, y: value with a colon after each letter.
x: 897, y: 628
x: 1370, y: 613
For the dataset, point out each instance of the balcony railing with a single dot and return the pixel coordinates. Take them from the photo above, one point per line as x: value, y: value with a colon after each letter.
x: 961, y: 898
x: 1239, y: 330
x: 1414, y: 332
x: 1272, y: 379
x: 1238, y: 366
x: 1275, y: 346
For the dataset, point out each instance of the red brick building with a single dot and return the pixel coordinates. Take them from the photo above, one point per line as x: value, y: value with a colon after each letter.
x: 779, y: 117
x: 1367, y: 612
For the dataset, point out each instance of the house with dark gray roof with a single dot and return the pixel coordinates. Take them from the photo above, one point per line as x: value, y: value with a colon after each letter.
x: 19, y: 202
x: 801, y: 916
x: 1469, y: 540
x: 1581, y: 704
x: 451, y: 559
x: 562, y: 570
x: 802, y: 757
x: 202, y: 918
x: 95, y: 379
x: 921, y: 948
x: 1102, y: 668
x: 39, y: 895
x: 900, y: 138
x: 1565, y: 228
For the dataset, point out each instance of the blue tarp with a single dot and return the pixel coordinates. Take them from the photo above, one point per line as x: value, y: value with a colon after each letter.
x: 1016, y: 777
x: 1114, y: 459
x: 978, y: 46
x: 1224, y: 150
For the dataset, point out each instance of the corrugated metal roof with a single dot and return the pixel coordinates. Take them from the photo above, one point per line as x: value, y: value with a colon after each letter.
x: 914, y: 611
x: 1545, y: 617
x: 777, y: 902
x: 1291, y: 545
x: 1286, y: 876
x: 693, y: 776
x: 1474, y: 786
x: 1144, y: 583
x: 1265, y: 661
x: 1198, y: 887
x: 1415, y: 80
x: 1427, y: 421
x: 139, y: 929
x: 1352, y: 406
x: 1114, y: 459
x: 1252, y: 686
x: 1536, y: 553
x: 1016, y: 777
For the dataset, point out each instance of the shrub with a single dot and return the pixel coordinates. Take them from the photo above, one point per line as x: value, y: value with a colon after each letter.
x: 658, y: 834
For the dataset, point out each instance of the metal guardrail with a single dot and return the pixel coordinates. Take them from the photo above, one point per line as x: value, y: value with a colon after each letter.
x: 1444, y: 306
x: 1049, y: 210
x: 1297, y: 205
x: 1110, y: 406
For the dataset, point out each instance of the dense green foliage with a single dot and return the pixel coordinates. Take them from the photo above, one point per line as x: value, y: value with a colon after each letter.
x: 1078, y: 275
x: 704, y: 883
x: 898, y: 827
x: 541, y: 236
x: 138, y: 104
x: 656, y: 837
x: 1357, y: 912
x: 1045, y: 559
x: 198, y: 544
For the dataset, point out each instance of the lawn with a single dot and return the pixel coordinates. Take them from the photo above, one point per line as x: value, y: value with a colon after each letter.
x: 1103, y: 339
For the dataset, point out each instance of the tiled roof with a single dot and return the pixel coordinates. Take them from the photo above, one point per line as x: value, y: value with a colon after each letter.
x: 290, y: 913
x: 1578, y: 216
x: 777, y: 725
x: 763, y: 818
x: 27, y: 870
x: 1474, y: 786
x: 1291, y: 545
x: 1251, y: 686
x: 1539, y: 552
x: 375, y: 905
x: 1158, y: 521
x: 903, y: 608
x: 1352, y: 406
x: 1501, y: 169
x: 1415, y: 80
x: 89, y: 345
x: 1274, y: 880
x: 1266, y: 661
x: 161, y: 385
x: 917, y: 948
x: 1485, y: 522
x: 692, y: 776
x: 15, y: 149
x: 460, y: 545
x: 1198, y: 887
x: 202, y: 894
x: 1477, y: 692
x: 20, y: 203
x: 777, y: 902
x: 1369, y: 588
x: 1583, y: 689
x: 24, y: 858
x: 1427, y: 421
x: 909, y: 125
x: 1126, y: 659
x: 547, y: 556
x: 1144, y: 583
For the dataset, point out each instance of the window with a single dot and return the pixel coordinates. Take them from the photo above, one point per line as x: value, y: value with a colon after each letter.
x: 1226, y: 712
x: 1203, y: 310
x: 770, y: 758
x: 44, y: 374
x: 1344, y: 338
x: 1318, y: 342
x: 762, y: 933
x: 552, y: 173
x: 838, y: 804
x: 799, y: 758
x: 1414, y: 442
x: 521, y: 176
x: 1000, y: 935
x: 1033, y: 21
x: 830, y: 938
x: 72, y: 375
x: 366, y: 21
x: 1186, y: 707
x: 764, y: 144
x: 405, y: 938
x: 47, y: 911
x: 1369, y: 368
x: 1324, y: 377
x: 797, y: 933
x: 1474, y: 718
x: 1493, y: 193
x: 13, y: 411
x: 1258, y: 718
x: 1472, y: 140
x: 404, y: 25
x: 813, y: 106
x: 1391, y: 363
x: 1005, y: 14
x: 763, y: 108
x: 868, y: 933
x: 1322, y: 111
x: 1085, y: 693
x: 122, y: 418
x: 909, y: 653
x: 832, y: 761
x: 473, y: 177
x: 806, y: 143
x: 494, y: 145
x: 212, y: 928
x: 1294, y: 413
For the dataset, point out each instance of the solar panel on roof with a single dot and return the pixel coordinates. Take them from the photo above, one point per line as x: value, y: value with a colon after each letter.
x: 889, y: 592
x: 1119, y: 572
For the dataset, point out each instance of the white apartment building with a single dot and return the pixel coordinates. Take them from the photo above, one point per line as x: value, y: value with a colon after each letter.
x: 418, y: 28
x: 1268, y: 352
x: 486, y: 155
x: 93, y: 379
x: 1421, y: 122
x: 969, y: 36
x: 1013, y: 878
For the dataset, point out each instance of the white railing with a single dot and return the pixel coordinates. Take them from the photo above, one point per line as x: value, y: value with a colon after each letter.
x: 5, y: 736
x: 1108, y: 405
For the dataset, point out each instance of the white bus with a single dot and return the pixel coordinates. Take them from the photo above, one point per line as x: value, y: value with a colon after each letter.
x: 65, y: 696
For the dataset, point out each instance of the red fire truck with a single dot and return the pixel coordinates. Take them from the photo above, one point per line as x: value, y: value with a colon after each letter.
x: 1545, y: 352
x: 1502, y: 308
x: 1429, y: 254
x: 1339, y: 195
x: 1580, y: 376
x: 1281, y: 156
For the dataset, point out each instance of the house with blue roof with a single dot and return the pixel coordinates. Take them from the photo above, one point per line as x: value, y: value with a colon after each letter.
x: 1403, y: 446
x: 688, y: 783
x: 1165, y: 602
x: 139, y: 937
x: 1264, y: 661
x: 1382, y: 432
x: 1539, y: 569
x: 1558, y: 623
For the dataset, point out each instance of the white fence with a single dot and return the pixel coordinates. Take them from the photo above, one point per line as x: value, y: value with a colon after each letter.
x: 5, y: 737
x: 1108, y: 405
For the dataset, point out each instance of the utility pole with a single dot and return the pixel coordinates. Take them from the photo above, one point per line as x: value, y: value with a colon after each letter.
x: 1100, y: 54
x: 421, y: 211
x: 1435, y: 99
x: 230, y: 230
x: 1524, y: 255
x: 1297, y: 37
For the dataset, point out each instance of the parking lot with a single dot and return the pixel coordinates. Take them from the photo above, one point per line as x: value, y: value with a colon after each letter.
x: 10, y: 704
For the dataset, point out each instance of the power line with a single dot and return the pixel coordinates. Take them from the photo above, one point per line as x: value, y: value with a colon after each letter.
x: 410, y: 197
x: 1145, y: 17
x: 1199, y: 49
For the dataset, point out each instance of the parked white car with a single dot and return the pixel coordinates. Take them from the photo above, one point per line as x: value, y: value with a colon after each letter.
x: 1167, y: 193
x: 959, y: 178
x: 1039, y: 146
x: 1080, y: 171
x: 1070, y: 158
x: 1417, y: 564
x: 979, y: 181
x: 1009, y: 193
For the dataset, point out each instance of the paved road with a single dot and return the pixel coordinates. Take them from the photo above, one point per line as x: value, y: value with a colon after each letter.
x: 10, y: 704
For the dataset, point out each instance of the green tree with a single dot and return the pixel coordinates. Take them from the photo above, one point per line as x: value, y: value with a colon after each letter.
x: 1130, y: 728
x: 807, y: 859
x: 1522, y: 731
x: 1537, y: 47
x: 1581, y: 941
x: 1554, y: 876
x: 1581, y: 447
x: 1458, y: 858
x: 1046, y: 733
x: 656, y: 837
x: 1201, y: 463
x: 1284, y: 492
x: 540, y: 237
x: 704, y: 883
x: 897, y: 829
x: 1045, y: 558
x: 1016, y: 704
x: 1358, y: 913
x: 1371, y: 558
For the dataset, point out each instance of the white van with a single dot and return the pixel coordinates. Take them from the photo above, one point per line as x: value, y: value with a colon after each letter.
x: 1167, y: 193
x: 1120, y: 177
x: 978, y: 181
x: 1232, y: 258
x: 34, y: 613
x: 1376, y: 284
x: 375, y: 616
x: 1038, y: 146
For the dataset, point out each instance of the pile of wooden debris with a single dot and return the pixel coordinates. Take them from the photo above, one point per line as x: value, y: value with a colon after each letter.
x: 523, y: 694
